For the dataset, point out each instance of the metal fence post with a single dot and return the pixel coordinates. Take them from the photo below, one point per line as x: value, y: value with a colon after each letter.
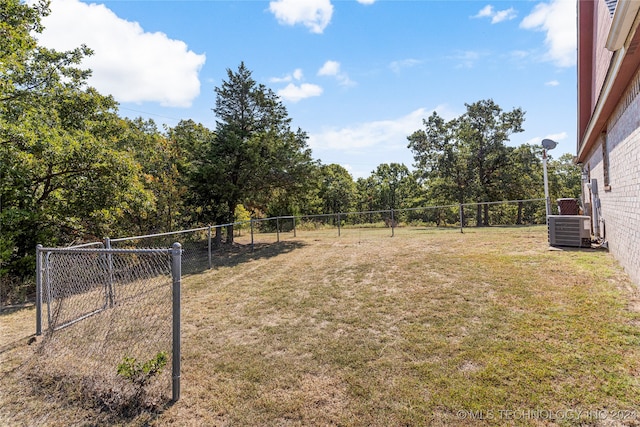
x: 461, y: 209
x: 110, y: 279
x: 294, y: 226
x: 338, y: 215
x: 39, y: 290
x: 278, y: 229
x: 176, y: 272
x: 209, y: 245
x: 47, y: 281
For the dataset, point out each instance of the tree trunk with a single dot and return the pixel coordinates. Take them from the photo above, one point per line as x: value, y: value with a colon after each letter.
x: 478, y: 215
x: 519, y: 219
x: 229, y: 234
x: 218, y: 238
x: 486, y: 215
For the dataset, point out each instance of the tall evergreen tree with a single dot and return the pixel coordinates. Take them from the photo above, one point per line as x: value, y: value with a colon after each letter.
x: 254, y: 153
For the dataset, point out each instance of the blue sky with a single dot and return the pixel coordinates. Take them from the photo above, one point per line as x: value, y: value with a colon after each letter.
x: 357, y: 76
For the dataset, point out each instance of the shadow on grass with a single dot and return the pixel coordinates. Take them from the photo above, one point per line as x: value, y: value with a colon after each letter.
x: 236, y: 254
x: 28, y: 340
x: 108, y: 402
x: 593, y: 248
x: 10, y: 309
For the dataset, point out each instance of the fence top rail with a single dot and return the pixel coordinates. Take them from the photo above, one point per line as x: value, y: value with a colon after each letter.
x: 268, y: 219
x: 329, y: 215
x: 413, y: 209
x: 169, y: 233
x: 231, y: 223
x: 85, y: 245
x: 303, y: 217
x: 364, y: 212
x: 76, y: 250
x: 501, y: 202
x: 424, y: 208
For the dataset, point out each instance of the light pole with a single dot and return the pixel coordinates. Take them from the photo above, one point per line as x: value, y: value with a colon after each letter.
x: 547, y: 144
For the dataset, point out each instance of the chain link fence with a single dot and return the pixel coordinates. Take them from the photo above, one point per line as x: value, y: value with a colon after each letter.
x: 196, y: 246
x: 205, y: 248
x: 393, y: 221
x: 112, y: 308
x: 112, y: 334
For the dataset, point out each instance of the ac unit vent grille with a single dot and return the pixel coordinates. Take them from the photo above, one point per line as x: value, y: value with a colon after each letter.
x: 570, y: 230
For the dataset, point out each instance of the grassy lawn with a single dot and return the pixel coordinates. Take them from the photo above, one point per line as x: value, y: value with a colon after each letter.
x: 430, y: 327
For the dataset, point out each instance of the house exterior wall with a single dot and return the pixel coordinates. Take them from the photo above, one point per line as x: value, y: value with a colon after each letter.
x: 620, y: 201
x: 602, y: 56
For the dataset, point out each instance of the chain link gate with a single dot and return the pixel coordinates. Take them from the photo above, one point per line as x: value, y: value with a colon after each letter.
x: 106, y: 306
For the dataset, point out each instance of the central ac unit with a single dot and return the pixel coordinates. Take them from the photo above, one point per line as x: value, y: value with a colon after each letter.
x: 570, y: 230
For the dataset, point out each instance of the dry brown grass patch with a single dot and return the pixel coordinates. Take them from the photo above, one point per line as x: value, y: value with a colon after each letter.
x: 371, y: 330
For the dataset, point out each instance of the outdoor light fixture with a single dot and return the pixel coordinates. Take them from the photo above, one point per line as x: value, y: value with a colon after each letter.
x: 547, y: 144
x: 584, y: 176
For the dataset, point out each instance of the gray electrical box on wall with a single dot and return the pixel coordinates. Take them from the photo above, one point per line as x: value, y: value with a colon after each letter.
x: 570, y: 230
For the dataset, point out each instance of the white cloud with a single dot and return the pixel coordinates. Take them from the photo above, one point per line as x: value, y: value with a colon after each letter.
x: 467, y: 59
x: 371, y: 143
x: 558, y: 20
x: 397, y: 66
x: 381, y: 134
x: 128, y: 63
x: 313, y: 14
x: 552, y: 83
x: 485, y: 12
x: 366, y: 1
x: 332, y: 69
x: 295, y: 93
x: 503, y: 15
x: 286, y: 79
x: 296, y: 75
x: 560, y: 136
x: 496, y: 16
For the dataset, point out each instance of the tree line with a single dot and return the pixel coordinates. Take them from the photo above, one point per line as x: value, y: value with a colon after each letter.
x: 73, y: 170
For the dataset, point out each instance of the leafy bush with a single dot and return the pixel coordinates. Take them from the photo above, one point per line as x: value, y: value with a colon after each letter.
x: 141, y: 373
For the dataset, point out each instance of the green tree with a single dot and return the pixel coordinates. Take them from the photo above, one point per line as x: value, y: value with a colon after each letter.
x: 337, y: 189
x: 465, y: 158
x: 395, y: 187
x: 255, y: 153
x: 565, y: 178
x: 190, y: 142
x: 522, y: 180
x: 485, y: 128
x: 62, y: 176
x: 162, y: 172
x: 366, y: 196
x: 391, y: 180
x: 443, y: 160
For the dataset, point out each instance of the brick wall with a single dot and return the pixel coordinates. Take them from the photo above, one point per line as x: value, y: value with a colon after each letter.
x: 621, y: 204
